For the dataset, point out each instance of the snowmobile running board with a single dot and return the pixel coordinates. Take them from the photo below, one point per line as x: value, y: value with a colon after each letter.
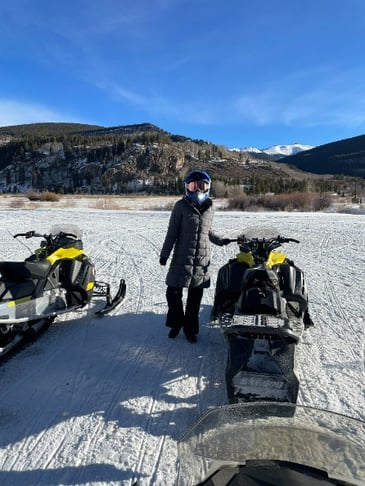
x: 27, y: 336
x: 101, y: 289
x: 30, y: 332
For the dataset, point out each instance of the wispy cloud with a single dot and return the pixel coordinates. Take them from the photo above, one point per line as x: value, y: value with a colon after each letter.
x: 157, y: 105
x: 18, y: 112
x: 312, y: 99
x: 124, y: 94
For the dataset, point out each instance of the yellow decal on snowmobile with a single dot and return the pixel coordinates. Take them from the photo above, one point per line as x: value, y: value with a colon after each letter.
x: 62, y: 253
x: 13, y: 303
x: 275, y: 258
x: 245, y: 257
x: 90, y: 286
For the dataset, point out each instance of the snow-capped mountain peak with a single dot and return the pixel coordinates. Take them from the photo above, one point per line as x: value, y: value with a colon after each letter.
x: 286, y: 150
x: 251, y: 149
x: 280, y: 150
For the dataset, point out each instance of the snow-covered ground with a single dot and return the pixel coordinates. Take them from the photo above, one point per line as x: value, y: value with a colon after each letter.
x: 103, y: 401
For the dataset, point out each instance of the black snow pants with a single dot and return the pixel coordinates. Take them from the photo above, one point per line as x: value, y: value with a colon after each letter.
x: 176, y: 317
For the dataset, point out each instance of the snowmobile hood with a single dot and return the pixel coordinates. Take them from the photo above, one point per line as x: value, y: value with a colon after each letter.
x: 275, y: 258
x: 234, y: 435
x: 245, y: 257
x: 65, y: 253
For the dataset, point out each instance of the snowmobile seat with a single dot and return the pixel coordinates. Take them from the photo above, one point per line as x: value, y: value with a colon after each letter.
x: 260, y: 301
x: 228, y: 286
x: 261, y: 276
x: 19, y: 271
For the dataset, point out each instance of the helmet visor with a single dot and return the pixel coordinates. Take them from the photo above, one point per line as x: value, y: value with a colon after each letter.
x: 198, y: 186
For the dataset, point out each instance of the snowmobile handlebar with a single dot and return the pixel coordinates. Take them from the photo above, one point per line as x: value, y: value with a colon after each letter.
x: 29, y: 234
x: 242, y: 239
x: 51, y: 242
x: 262, y: 244
x: 47, y: 237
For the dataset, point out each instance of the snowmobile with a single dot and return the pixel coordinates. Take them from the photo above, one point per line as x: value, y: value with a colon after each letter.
x: 261, y: 305
x: 57, y: 278
x: 257, y: 444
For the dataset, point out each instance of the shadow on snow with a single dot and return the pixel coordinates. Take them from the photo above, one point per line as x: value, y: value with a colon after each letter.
x: 118, y: 370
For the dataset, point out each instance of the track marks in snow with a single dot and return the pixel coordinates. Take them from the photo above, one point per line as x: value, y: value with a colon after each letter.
x: 329, y: 356
x: 116, y: 392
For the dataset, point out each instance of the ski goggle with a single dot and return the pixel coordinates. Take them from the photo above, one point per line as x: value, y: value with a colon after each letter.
x: 198, y: 186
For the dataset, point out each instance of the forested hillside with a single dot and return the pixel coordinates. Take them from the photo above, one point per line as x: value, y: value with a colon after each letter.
x: 76, y: 158
x: 346, y: 157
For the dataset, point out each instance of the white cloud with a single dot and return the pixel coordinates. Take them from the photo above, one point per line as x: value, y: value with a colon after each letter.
x: 311, y: 98
x: 128, y: 95
x: 155, y: 104
x: 18, y: 113
x: 308, y: 98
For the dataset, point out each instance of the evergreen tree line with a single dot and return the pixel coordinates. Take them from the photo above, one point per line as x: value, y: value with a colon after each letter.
x: 102, y: 150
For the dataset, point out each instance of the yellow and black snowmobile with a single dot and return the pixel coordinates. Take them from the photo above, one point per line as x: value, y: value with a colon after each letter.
x: 261, y: 304
x: 59, y: 277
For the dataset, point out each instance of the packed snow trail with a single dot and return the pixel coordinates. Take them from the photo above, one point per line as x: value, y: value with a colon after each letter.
x: 103, y: 401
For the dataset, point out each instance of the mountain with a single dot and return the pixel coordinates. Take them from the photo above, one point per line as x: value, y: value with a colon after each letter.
x: 285, y: 150
x: 66, y: 157
x: 43, y: 130
x: 279, y: 151
x: 69, y: 158
x: 344, y: 157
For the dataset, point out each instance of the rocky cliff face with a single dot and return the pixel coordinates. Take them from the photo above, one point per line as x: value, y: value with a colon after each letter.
x: 114, y: 160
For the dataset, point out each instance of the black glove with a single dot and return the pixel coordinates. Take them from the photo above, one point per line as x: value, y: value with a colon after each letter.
x: 163, y: 261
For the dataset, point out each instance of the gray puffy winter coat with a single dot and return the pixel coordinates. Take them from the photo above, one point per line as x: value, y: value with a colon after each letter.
x: 189, y: 233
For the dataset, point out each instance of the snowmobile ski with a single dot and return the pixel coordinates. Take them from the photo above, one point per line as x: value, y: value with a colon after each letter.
x: 111, y: 303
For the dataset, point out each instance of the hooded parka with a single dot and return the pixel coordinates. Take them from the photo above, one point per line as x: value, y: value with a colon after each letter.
x: 189, y: 234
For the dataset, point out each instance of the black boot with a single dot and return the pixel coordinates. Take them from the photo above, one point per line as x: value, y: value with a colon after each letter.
x: 191, y: 338
x: 174, y: 331
x: 175, y: 314
x: 191, y: 320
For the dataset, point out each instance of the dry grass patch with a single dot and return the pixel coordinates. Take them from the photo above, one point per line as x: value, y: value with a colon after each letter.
x: 291, y: 201
x: 43, y: 196
x: 17, y: 203
x: 105, y: 203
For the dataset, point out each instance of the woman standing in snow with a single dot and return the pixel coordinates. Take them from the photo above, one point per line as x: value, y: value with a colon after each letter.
x: 189, y: 233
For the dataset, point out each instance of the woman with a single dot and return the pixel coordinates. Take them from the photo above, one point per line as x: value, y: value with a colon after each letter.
x: 189, y: 233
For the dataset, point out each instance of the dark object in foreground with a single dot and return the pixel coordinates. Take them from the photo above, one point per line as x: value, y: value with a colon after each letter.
x: 58, y: 278
x: 270, y: 444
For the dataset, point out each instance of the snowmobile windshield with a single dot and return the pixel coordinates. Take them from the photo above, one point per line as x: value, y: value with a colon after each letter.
x: 272, y: 444
x: 69, y: 229
x: 259, y: 231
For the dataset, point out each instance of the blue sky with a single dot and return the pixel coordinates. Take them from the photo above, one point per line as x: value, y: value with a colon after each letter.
x: 233, y: 72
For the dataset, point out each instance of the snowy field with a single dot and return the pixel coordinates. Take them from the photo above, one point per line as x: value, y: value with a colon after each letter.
x: 103, y: 401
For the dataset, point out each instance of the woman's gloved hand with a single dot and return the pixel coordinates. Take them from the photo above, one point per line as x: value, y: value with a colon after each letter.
x: 163, y: 261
